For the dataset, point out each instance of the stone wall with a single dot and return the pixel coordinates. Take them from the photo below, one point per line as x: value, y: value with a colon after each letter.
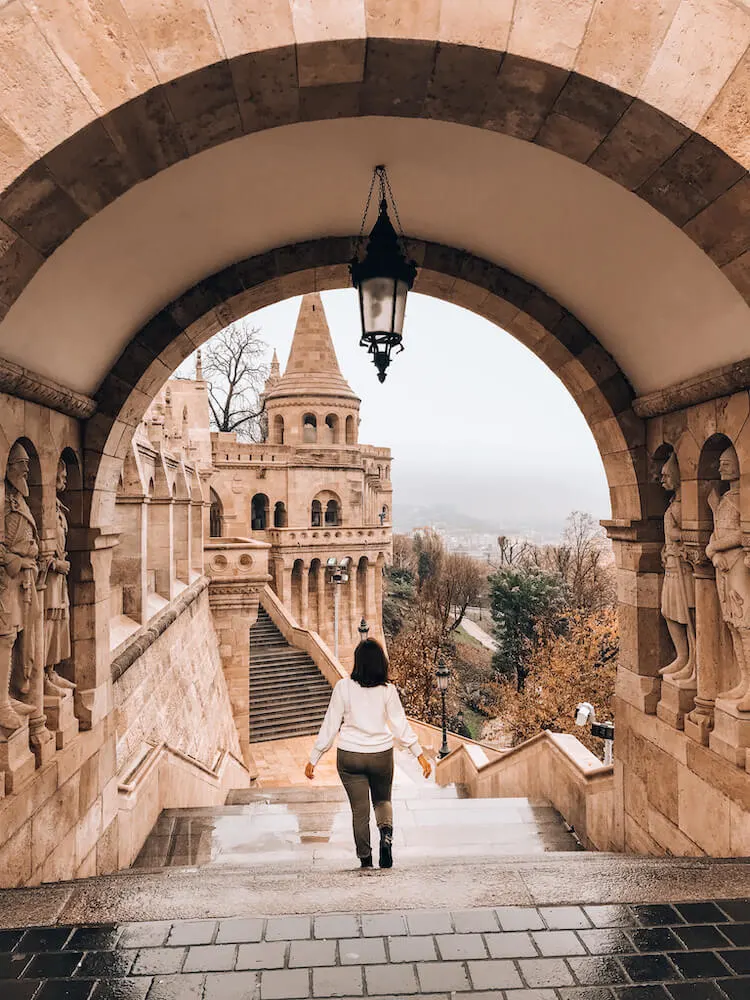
x: 175, y: 692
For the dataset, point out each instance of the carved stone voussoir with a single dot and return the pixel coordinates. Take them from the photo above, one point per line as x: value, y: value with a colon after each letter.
x: 21, y: 382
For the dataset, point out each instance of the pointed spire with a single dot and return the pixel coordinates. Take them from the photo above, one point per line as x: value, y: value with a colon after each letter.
x: 275, y: 367
x: 312, y: 347
x: 199, y: 366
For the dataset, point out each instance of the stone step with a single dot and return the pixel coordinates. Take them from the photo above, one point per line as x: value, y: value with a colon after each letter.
x: 280, y: 733
x: 295, y: 690
x: 275, y: 677
x: 287, y: 716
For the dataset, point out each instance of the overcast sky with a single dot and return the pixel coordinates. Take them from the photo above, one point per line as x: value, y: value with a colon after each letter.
x: 472, y: 417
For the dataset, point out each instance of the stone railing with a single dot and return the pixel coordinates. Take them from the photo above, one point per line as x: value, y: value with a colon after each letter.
x: 302, y: 638
x: 345, y: 535
x: 551, y: 766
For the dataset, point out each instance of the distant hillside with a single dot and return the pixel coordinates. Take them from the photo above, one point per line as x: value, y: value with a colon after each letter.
x: 407, y: 517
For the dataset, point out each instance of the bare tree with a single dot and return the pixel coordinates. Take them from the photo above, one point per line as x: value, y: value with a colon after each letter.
x: 513, y: 551
x: 235, y: 371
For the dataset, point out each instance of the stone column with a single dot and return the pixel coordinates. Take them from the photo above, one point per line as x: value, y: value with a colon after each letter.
x: 352, y: 617
x: 160, y: 549
x: 304, y: 613
x: 285, y: 587
x: 90, y: 552
x: 129, y: 558
x: 370, y: 601
x: 237, y: 571
x: 321, y: 598
x: 644, y: 643
x: 181, y: 539
x: 708, y: 629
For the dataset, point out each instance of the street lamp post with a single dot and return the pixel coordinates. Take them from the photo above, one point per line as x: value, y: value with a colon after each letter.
x: 443, y: 675
x: 339, y: 574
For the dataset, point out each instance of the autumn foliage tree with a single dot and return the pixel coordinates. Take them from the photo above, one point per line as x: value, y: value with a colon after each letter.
x: 573, y: 662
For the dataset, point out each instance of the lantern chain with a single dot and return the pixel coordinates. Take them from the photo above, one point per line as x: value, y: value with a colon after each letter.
x: 381, y: 175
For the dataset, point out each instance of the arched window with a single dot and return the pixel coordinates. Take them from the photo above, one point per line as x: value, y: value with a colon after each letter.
x: 278, y: 429
x: 332, y: 429
x: 279, y: 515
x: 332, y: 513
x: 215, y: 516
x: 309, y: 429
x: 259, y: 512
x: 316, y: 514
x: 350, y: 438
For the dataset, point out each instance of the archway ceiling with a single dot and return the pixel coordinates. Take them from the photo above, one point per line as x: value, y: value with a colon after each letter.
x: 653, y: 298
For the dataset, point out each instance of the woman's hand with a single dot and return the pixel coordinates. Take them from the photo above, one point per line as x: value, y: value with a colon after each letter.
x: 309, y: 771
x: 426, y: 765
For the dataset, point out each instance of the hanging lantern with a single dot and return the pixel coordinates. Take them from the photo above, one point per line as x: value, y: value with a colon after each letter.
x: 383, y: 278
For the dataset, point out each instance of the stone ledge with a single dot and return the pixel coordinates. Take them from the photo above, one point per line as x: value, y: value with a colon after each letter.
x: 711, y: 385
x: 25, y: 384
x: 136, y: 645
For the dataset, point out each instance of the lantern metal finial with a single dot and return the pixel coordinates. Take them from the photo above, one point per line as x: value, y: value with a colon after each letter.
x: 383, y: 278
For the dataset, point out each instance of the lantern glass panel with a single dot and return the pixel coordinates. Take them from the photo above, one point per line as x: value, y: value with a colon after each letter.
x: 377, y: 305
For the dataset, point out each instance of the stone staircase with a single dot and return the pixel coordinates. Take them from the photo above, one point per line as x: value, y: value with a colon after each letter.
x: 288, y: 694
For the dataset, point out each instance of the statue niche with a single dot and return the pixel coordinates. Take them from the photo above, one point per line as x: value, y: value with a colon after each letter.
x: 678, y: 590
x: 732, y: 574
x: 20, y: 613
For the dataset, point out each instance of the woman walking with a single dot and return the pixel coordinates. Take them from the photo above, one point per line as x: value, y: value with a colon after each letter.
x: 366, y: 713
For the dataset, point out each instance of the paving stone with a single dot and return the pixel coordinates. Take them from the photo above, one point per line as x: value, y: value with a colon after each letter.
x: 230, y: 986
x: 494, y: 975
x: 654, y: 939
x: 396, y: 979
x: 698, y: 964
x: 649, y: 968
x: 611, y: 916
x: 336, y: 925
x: 146, y: 934
x: 337, y: 982
x: 192, y: 932
x: 106, y: 964
x: 211, y: 958
x: 11, y: 966
x: 601, y: 969
x: 442, y: 975
x: 427, y: 922
x: 412, y: 949
x: 9, y: 939
x: 310, y: 953
x: 552, y: 943
x: 285, y: 984
x: 738, y: 961
x: 738, y: 934
x: 703, y: 936
x: 122, y: 989
x: 519, y: 918
x: 701, y: 913
x: 606, y: 941
x: 470, y: 921
x: 383, y: 924
x: 239, y: 931
x: 362, y: 951
x: 261, y: 956
x: 89, y: 938
x: 657, y: 914
x: 642, y: 993
x: 512, y: 945
x: 72, y: 989
x: 696, y: 991
x: 545, y: 972
x: 53, y: 965
x: 736, y: 909
x: 586, y: 993
x: 158, y: 961
x: 519, y: 995
x: 461, y: 946
x: 177, y: 988
x: 736, y: 989
x: 44, y: 939
x: 287, y: 928
x: 564, y: 917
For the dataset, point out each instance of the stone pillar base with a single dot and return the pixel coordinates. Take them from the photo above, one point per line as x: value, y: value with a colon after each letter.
x: 16, y: 759
x: 61, y: 719
x: 675, y: 703
x: 42, y: 741
x: 700, y: 722
x: 731, y: 734
x: 638, y: 690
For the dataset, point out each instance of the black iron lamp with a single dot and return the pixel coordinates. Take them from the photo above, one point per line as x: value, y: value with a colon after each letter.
x: 443, y: 676
x: 383, y: 279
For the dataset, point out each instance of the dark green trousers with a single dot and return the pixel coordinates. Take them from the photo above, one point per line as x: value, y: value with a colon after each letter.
x: 367, y: 776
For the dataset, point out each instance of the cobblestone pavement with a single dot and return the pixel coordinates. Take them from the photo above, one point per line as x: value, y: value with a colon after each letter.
x: 680, y: 951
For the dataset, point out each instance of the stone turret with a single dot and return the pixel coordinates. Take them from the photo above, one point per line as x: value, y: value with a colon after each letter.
x: 312, y: 403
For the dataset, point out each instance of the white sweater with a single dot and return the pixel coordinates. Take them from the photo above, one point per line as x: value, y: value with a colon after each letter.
x: 366, y: 720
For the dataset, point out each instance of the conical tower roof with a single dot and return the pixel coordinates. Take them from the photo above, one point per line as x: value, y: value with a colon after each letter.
x: 312, y: 368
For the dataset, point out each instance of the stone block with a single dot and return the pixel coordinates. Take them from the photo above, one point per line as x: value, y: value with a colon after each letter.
x: 731, y: 734
x: 15, y: 857
x: 698, y: 726
x: 669, y: 836
x: 60, y: 864
x: 107, y: 850
x: 675, y: 703
x: 55, y: 818
x: 16, y: 759
x: 61, y: 720
x: 704, y: 814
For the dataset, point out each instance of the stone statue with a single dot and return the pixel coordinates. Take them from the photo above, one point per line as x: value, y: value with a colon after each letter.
x: 19, y: 604
x: 57, y: 600
x: 732, y: 573
x: 678, y: 591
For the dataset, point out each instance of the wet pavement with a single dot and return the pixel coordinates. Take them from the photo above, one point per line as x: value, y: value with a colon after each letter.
x: 684, y: 951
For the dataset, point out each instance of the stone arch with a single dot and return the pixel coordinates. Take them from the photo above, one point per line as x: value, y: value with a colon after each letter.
x: 309, y: 428
x: 332, y: 428
x: 280, y: 519
x: 298, y: 581
x: 278, y: 429
x: 216, y: 515
x: 552, y: 332
x: 259, y: 512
